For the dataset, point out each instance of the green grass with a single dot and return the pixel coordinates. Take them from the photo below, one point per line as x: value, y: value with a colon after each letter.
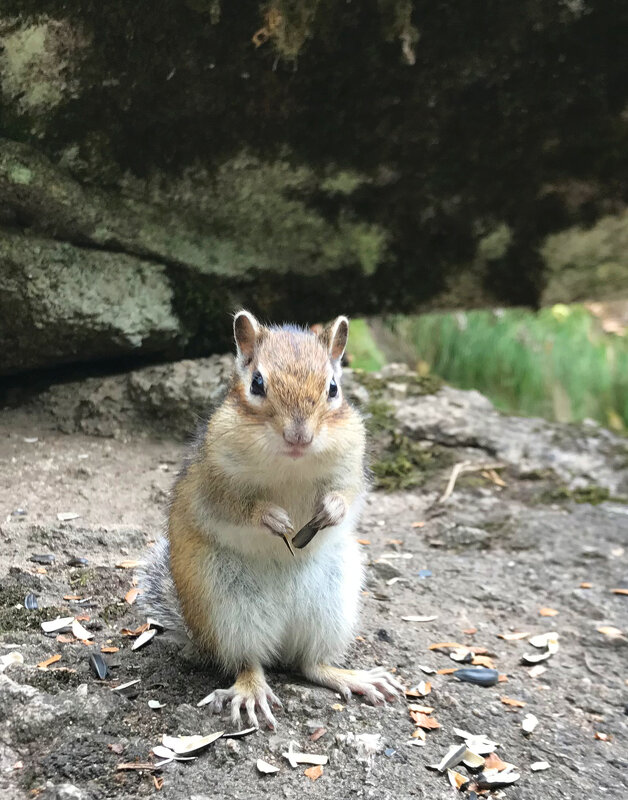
x: 362, y: 348
x: 556, y: 363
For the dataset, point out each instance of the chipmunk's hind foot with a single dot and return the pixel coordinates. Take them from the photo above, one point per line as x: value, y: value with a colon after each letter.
x: 250, y: 693
x: 376, y: 685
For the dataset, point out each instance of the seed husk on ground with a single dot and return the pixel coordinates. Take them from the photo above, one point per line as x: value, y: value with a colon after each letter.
x: 418, y: 618
x: 452, y: 757
x: 143, y: 638
x: 183, y: 745
x: 53, y: 625
x: 529, y: 723
x: 80, y: 632
x: 539, y: 766
x: 66, y: 516
x: 265, y: 768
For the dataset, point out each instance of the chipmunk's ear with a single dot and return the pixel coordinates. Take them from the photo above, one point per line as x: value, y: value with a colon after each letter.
x: 245, y: 330
x: 335, y: 338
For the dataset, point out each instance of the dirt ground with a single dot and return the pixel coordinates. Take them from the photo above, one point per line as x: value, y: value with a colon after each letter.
x: 483, y: 563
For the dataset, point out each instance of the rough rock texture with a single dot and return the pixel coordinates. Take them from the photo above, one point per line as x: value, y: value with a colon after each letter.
x: 550, y: 522
x: 362, y: 157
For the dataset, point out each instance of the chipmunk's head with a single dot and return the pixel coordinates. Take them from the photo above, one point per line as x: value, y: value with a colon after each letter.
x: 287, y: 386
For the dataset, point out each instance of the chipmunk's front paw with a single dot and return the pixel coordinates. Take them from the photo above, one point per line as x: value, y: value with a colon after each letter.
x: 277, y: 521
x: 330, y: 511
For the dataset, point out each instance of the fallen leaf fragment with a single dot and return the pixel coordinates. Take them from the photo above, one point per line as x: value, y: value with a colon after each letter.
x: 49, y: 661
x: 314, y: 773
x: 510, y: 701
x: 470, y: 631
x: 610, y: 630
x: 483, y: 661
x: 620, y: 591
x: 422, y: 689
x: 418, y: 524
x: 493, y: 761
x: 603, y: 737
x: 539, y: 766
x: 105, y: 649
x: 65, y: 638
x: 423, y: 721
x: 513, y: 637
x: 158, y: 782
x: 127, y: 564
x: 71, y: 596
x: 317, y: 734
x: 131, y: 595
x: 265, y: 768
x: 548, y: 612
x: 456, y: 779
x: 420, y: 709
x: 363, y: 541
x: 446, y: 671
x: 447, y: 646
x: 136, y: 631
x: 418, y: 733
x: 583, y: 585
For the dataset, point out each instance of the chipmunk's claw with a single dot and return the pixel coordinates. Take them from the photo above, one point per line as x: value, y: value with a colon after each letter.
x: 253, y: 701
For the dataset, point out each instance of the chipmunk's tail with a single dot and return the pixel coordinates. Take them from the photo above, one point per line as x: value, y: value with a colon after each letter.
x: 158, y: 597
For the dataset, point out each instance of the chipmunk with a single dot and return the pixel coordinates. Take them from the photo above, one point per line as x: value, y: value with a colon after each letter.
x: 283, y: 451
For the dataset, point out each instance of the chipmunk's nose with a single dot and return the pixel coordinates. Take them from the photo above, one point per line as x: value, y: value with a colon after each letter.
x: 297, y: 433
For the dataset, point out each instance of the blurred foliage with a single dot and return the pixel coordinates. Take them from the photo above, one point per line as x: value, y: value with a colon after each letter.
x: 556, y: 363
x: 362, y: 350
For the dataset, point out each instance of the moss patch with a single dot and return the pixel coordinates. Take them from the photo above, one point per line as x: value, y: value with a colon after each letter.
x: 404, y: 463
x: 13, y: 615
x: 594, y: 495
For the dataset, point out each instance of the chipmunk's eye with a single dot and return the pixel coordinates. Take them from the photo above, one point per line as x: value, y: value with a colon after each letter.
x: 333, y: 389
x: 257, y: 384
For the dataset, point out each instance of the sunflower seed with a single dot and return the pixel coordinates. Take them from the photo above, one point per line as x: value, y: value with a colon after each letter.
x: 30, y: 602
x: 99, y: 665
x: 479, y: 676
x: 77, y: 561
x: 42, y: 558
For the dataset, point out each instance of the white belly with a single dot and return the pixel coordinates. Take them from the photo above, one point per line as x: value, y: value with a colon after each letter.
x: 271, y: 608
